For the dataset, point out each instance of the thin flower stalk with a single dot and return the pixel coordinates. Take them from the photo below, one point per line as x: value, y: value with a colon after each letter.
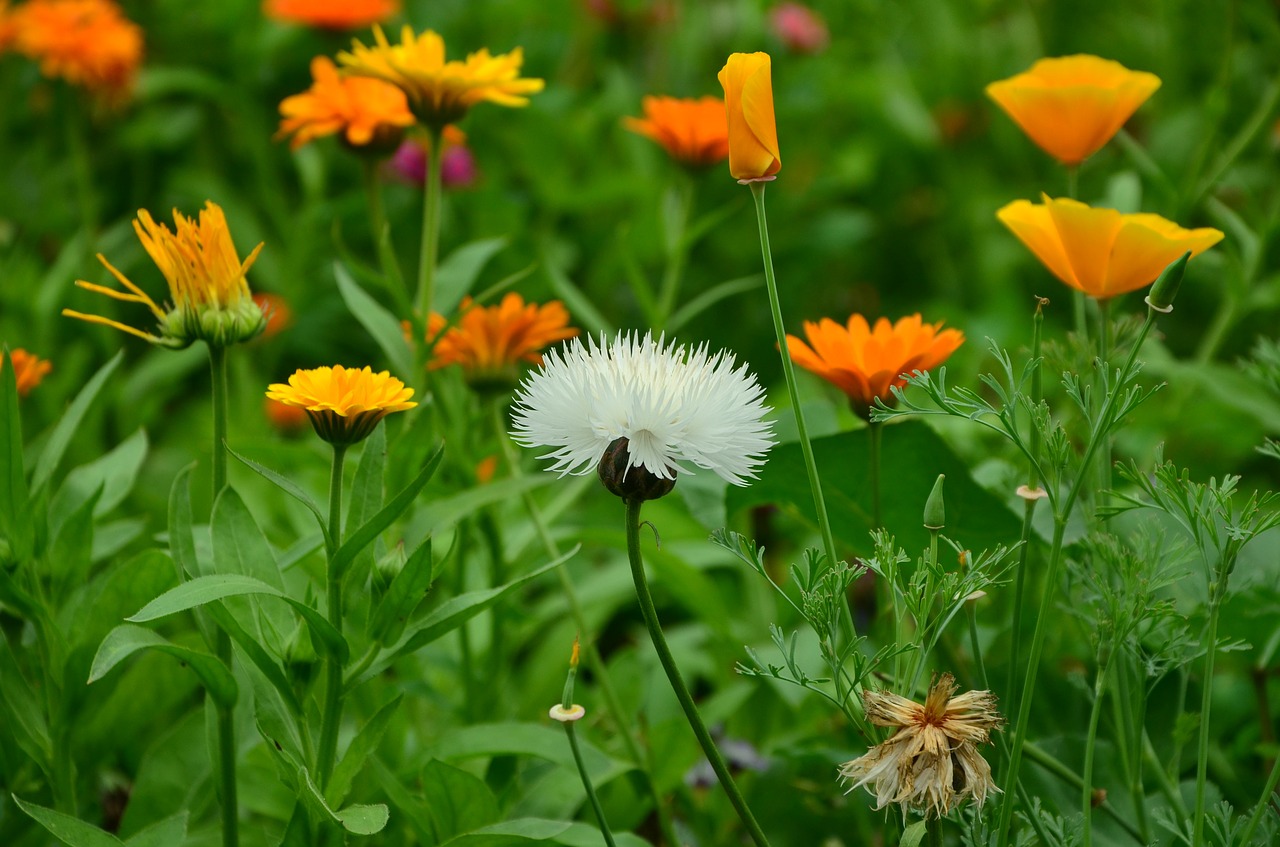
x: 677, y: 681
x: 568, y: 715
x: 331, y: 713
x: 1264, y: 803
x: 226, y: 731
x: 1090, y: 745
x: 430, y: 248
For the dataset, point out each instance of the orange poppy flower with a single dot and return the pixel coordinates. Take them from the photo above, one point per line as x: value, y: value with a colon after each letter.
x: 490, y: 342
x: 440, y: 91
x: 865, y: 362
x: 86, y: 42
x: 28, y: 369
x: 332, y: 14
x: 366, y: 111
x: 693, y: 132
x: 748, y: 108
x: 1100, y: 251
x: 1071, y: 106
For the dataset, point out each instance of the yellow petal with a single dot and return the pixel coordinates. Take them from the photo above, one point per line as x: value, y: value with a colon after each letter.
x: 1145, y: 245
x: 1087, y: 235
x: 1034, y: 228
x: 753, y: 134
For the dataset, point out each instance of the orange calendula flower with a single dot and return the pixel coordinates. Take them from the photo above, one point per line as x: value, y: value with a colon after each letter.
x: 344, y: 404
x: 332, y: 14
x: 748, y: 108
x: 1071, y: 106
x: 865, y: 362
x: 86, y: 42
x: 1100, y: 251
x: 289, y: 420
x: 277, y: 312
x: 692, y: 131
x: 441, y: 92
x: 28, y: 369
x: 210, y: 296
x: 6, y: 26
x: 369, y: 113
x: 489, y: 342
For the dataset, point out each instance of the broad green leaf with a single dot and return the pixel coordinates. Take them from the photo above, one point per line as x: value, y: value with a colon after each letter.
x: 276, y: 725
x: 170, y: 832
x: 56, y: 446
x: 585, y: 835
x: 403, y: 595
x: 457, y: 274
x: 288, y: 487
x: 98, y: 605
x: 365, y: 742
x: 239, y: 547
x: 585, y: 314
x: 70, y: 831
x: 912, y: 835
x: 182, y: 543
x: 409, y: 807
x: 206, y: 589
x: 71, y: 550
x: 125, y: 640
x: 381, y: 324
x: 372, y: 528
x: 912, y: 457
x: 114, y: 473
x: 453, y: 613
x: 523, y: 739
x: 258, y: 656
x: 23, y: 716
x: 14, y: 501
x: 366, y: 490
x: 510, y: 833
x: 457, y: 801
x: 359, y: 819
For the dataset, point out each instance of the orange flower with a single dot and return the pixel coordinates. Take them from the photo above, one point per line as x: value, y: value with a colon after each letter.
x: 28, y: 369
x: 490, y: 342
x: 344, y: 404
x: 85, y: 42
x: 7, y: 30
x: 284, y: 417
x: 277, y: 312
x: 441, y: 92
x: 1071, y: 106
x: 866, y: 363
x: 693, y: 132
x: 366, y: 111
x: 748, y: 107
x: 332, y: 14
x: 1101, y: 251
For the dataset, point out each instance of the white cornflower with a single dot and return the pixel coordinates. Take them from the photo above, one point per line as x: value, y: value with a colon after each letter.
x: 931, y: 762
x: 674, y: 407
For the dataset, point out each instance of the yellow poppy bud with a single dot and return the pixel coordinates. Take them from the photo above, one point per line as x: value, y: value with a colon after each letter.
x: 748, y: 106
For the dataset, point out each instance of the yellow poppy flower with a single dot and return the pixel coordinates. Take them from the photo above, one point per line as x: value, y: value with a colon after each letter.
x: 368, y: 112
x: 748, y: 107
x: 865, y: 362
x: 28, y: 369
x: 692, y: 131
x: 207, y: 285
x: 344, y: 404
x: 490, y: 342
x: 440, y: 92
x: 1100, y: 251
x: 1071, y: 106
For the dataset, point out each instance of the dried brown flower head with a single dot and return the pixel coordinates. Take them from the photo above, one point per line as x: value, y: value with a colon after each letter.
x: 931, y: 762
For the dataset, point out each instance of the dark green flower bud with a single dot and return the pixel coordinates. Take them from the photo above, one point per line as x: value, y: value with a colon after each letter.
x: 631, y: 482
x: 1166, y: 285
x: 935, y: 513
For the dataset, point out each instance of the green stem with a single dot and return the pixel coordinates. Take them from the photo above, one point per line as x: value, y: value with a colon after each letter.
x: 1264, y: 802
x: 1071, y: 778
x: 788, y: 372
x: 226, y: 728
x: 925, y: 626
x: 1104, y: 355
x: 975, y: 646
x: 874, y: 432
x: 586, y: 784
x: 1091, y: 739
x: 331, y: 715
x: 678, y: 252
x: 430, y: 226
x: 1101, y: 431
x: 934, y: 829
x: 592, y: 655
x: 1206, y: 700
x: 677, y: 681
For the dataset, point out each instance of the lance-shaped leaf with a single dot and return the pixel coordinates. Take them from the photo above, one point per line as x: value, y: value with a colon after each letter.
x: 381, y: 324
x: 288, y: 487
x: 56, y: 446
x: 403, y: 596
x: 70, y: 831
x: 125, y: 640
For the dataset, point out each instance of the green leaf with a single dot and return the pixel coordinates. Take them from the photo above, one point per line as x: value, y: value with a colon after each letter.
x: 170, y: 832
x: 403, y: 595
x: 70, y: 422
x: 373, y: 527
x: 912, y: 835
x: 453, y: 613
x: 381, y: 324
x: 113, y: 473
x: 706, y: 299
x: 125, y: 640
x: 23, y: 716
x: 71, y: 831
x: 365, y: 742
x: 206, y: 589
x: 457, y: 274
x: 359, y: 820
x: 14, y: 497
x: 239, y: 547
x: 182, y: 543
x: 366, y: 489
x: 585, y: 314
x: 523, y: 739
x: 288, y: 487
x: 447, y: 511
x: 457, y: 801
x: 912, y: 457
x: 257, y: 656
x: 71, y: 550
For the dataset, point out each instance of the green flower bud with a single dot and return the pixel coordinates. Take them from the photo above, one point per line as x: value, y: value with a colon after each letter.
x: 1166, y: 285
x: 935, y: 513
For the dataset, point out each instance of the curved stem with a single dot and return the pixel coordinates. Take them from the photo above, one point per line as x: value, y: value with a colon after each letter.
x: 677, y: 681
x: 430, y: 226
x: 1206, y: 700
x: 874, y: 430
x: 226, y: 728
x: 1091, y: 739
x: 331, y: 715
x: 586, y: 784
x: 1263, y: 803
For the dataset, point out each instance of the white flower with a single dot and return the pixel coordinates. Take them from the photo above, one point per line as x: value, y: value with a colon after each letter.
x: 674, y: 406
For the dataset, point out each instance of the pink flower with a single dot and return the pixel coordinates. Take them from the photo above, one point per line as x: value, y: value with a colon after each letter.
x: 800, y: 28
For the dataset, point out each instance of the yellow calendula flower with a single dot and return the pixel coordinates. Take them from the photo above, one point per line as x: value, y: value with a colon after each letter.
x: 490, y: 342
x: 440, y: 92
x: 1100, y: 251
x: 28, y: 369
x: 748, y: 108
x: 931, y: 762
x: 1071, y: 106
x: 344, y: 404
x: 211, y: 301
